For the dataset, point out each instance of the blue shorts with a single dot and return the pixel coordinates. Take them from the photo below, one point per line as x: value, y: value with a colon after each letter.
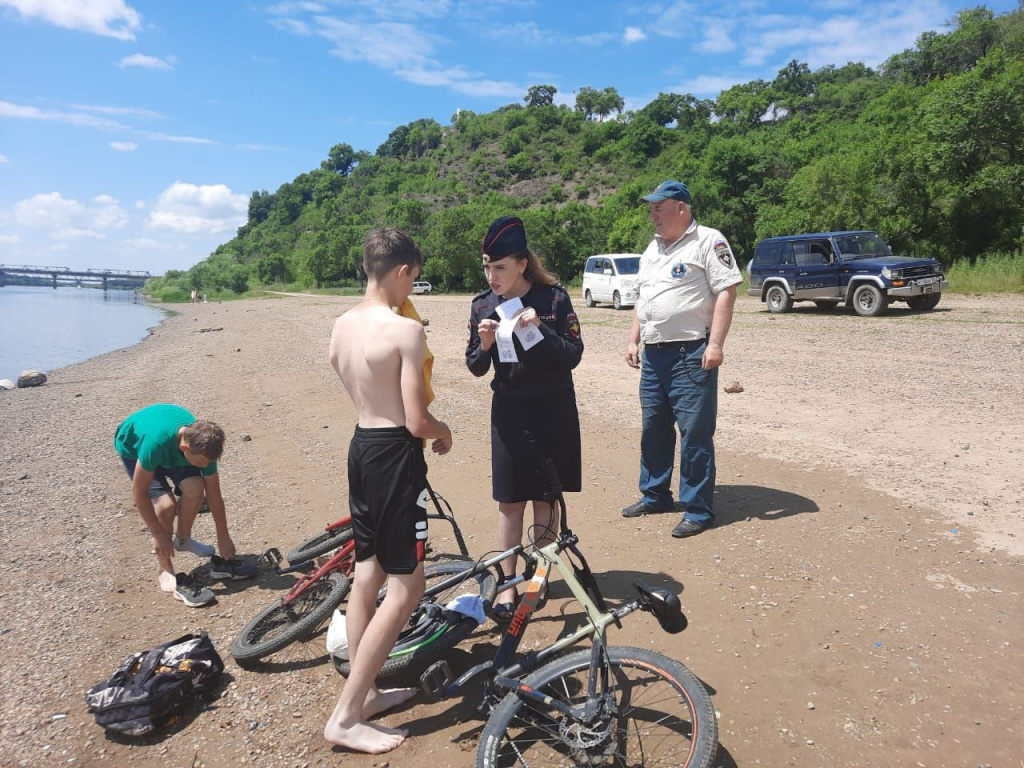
x: 163, y: 477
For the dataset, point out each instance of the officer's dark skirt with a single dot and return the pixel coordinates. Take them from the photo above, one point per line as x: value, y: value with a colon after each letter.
x: 524, y: 432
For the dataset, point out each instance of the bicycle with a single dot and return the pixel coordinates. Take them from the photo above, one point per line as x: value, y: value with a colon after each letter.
x: 606, y: 706
x: 322, y: 588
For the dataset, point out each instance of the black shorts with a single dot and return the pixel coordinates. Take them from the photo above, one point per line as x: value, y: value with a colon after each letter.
x: 524, y: 432
x: 163, y: 477
x: 387, y: 497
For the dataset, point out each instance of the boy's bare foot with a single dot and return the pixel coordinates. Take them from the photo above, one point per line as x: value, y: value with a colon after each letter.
x: 378, y: 701
x: 167, y: 581
x: 364, y: 737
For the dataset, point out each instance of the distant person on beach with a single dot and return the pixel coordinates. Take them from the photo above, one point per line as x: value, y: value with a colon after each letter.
x: 163, y: 446
x: 195, y: 296
x: 379, y: 357
x: 533, y: 408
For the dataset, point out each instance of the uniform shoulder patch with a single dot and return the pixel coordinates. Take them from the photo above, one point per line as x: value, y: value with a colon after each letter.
x: 723, y: 253
x: 573, y: 325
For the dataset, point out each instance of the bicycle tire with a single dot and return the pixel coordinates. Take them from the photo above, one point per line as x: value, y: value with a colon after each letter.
x: 280, y: 625
x: 517, y: 734
x: 425, y: 638
x: 320, y: 544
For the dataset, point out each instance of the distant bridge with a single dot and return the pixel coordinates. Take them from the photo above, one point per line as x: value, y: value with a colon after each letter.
x: 109, y: 278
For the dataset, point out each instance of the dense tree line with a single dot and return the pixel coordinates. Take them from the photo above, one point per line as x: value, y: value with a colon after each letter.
x: 928, y: 149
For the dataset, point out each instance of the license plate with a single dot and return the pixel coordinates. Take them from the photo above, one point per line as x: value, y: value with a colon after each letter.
x: 927, y: 281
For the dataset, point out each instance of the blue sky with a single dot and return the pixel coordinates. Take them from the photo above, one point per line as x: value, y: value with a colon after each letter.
x: 133, y: 131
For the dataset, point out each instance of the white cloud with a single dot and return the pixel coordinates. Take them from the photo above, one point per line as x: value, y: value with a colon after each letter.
x: 18, y: 111
x: 140, y: 204
x: 3, y: 159
x: 124, y: 146
x: 147, y: 62
x: 388, y: 45
x: 145, y: 242
x: 65, y: 218
x: 633, y: 35
x: 7, y: 109
x: 157, y: 136
x: 109, y: 18
x: 400, y: 48
x: 717, y: 38
x: 289, y: 8
x: 707, y: 85
x: 676, y: 20
x: 193, y: 209
x: 74, y: 233
x: 141, y: 114
x: 9, y: 239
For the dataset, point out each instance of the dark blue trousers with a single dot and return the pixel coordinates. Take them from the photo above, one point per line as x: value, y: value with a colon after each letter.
x: 675, y: 392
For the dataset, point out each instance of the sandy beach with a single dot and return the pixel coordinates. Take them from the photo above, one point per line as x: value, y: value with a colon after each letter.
x: 858, y: 602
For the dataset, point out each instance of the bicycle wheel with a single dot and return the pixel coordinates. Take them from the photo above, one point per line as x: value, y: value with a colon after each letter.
x: 658, y: 714
x: 280, y: 624
x: 320, y: 544
x: 431, y: 631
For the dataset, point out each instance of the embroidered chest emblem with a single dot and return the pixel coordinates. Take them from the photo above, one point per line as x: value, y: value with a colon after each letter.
x: 678, y: 269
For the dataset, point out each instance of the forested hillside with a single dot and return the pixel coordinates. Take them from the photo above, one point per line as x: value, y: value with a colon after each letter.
x: 928, y: 150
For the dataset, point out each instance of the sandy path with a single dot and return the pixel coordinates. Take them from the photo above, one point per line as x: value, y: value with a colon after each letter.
x: 867, y: 557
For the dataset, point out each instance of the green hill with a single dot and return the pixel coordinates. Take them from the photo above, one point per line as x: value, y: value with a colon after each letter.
x: 928, y: 150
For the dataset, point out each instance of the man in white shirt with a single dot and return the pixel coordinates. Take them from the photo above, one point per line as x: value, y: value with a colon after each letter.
x: 687, y: 283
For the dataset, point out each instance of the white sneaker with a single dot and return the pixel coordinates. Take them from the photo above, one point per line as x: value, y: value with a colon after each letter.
x: 193, y: 546
x: 191, y: 592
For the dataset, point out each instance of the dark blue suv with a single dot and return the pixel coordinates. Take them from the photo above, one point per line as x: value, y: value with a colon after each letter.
x: 857, y: 268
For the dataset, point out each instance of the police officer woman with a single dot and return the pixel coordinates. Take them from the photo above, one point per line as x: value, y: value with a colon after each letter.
x: 533, y: 408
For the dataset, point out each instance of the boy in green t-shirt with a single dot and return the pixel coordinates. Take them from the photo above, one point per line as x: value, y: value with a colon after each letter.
x: 164, y: 445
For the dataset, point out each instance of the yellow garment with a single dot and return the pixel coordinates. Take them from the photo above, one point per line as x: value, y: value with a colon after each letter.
x: 408, y: 310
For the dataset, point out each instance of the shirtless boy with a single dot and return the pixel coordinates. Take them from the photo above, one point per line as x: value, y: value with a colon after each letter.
x: 379, y: 357
x: 163, y: 445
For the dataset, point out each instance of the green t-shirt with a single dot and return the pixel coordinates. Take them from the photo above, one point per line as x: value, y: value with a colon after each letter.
x: 150, y: 436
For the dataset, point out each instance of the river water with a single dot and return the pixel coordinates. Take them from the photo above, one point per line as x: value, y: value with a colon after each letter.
x: 44, y: 329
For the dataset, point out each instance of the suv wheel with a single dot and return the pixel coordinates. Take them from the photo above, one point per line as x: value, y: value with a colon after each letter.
x: 588, y: 298
x: 928, y: 301
x: 778, y: 300
x: 826, y: 306
x: 616, y: 300
x: 868, y: 301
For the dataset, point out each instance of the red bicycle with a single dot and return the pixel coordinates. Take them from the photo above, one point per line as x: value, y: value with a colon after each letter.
x: 322, y: 588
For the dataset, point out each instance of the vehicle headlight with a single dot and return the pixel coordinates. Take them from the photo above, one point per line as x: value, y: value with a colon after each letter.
x: 629, y: 283
x: 891, y: 274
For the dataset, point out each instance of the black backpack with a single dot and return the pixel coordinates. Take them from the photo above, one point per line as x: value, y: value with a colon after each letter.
x: 150, y: 687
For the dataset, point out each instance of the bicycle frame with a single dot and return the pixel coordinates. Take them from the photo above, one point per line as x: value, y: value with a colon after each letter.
x: 437, y: 680
x: 344, y: 560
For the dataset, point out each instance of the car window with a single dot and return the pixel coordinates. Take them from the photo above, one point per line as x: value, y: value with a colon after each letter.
x: 768, y: 253
x: 862, y: 245
x: 630, y: 266
x: 813, y: 252
x: 786, y: 254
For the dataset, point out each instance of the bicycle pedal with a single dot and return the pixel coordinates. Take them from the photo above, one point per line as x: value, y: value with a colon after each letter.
x: 436, y: 679
x: 271, y: 559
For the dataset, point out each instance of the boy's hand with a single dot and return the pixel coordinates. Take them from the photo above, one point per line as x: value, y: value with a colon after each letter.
x: 442, y: 445
x: 226, y: 547
x: 163, y: 545
x: 486, y: 329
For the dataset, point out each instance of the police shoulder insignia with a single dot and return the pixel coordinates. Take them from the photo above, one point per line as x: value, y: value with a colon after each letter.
x: 723, y: 253
x: 678, y: 269
x: 573, y: 325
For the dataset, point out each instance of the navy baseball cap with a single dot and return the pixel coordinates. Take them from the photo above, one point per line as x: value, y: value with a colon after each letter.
x: 669, y: 190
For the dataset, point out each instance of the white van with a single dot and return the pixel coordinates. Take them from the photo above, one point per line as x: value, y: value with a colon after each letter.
x: 611, y: 277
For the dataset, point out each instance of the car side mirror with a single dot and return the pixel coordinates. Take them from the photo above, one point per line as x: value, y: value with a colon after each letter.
x: 607, y: 271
